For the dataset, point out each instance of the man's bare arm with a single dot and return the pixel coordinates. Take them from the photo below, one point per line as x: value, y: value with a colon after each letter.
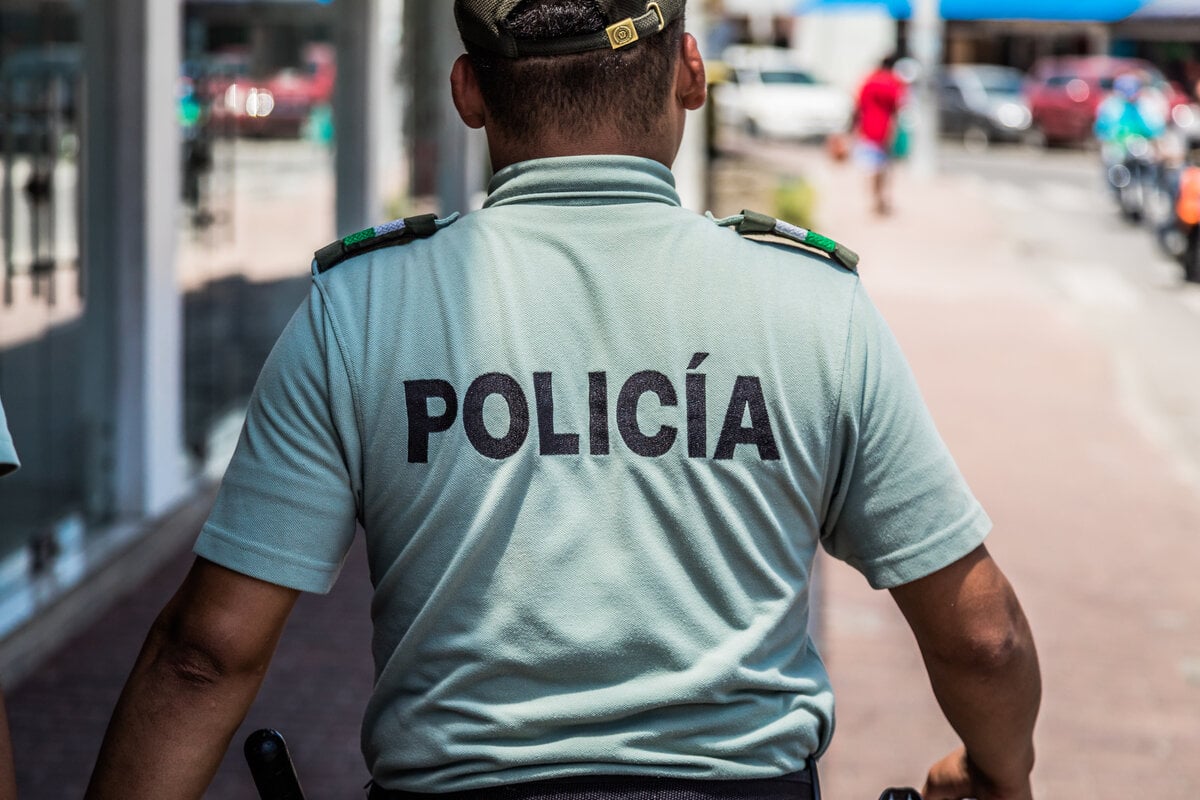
x: 983, y: 667
x: 198, y: 672
x: 8, y: 772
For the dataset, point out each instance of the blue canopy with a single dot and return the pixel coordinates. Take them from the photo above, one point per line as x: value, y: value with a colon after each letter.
x: 1065, y: 10
x: 1168, y: 9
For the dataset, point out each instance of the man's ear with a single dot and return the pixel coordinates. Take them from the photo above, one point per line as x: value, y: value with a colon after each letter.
x: 464, y: 88
x: 691, y: 83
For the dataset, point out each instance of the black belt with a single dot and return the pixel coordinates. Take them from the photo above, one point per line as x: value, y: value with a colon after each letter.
x: 796, y: 786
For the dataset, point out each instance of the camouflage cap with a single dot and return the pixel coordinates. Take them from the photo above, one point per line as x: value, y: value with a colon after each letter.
x: 481, y: 23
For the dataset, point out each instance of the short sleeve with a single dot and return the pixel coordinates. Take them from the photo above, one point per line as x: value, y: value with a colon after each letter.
x: 286, y: 511
x: 8, y: 451
x: 899, y: 508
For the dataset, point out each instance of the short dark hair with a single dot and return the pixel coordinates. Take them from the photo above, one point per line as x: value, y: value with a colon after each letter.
x: 573, y: 93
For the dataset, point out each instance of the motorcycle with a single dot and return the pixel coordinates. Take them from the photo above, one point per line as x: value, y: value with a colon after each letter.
x: 1132, y: 174
x: 1179, y: 233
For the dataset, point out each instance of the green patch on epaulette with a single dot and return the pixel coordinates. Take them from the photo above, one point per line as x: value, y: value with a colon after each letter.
x: 397, y: 232
x: 752, y: 223
x: 361, y: 236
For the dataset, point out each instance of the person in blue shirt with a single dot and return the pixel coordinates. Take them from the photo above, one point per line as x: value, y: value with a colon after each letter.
x: 9, y: 463
x: 1133, y: 109
x: 1130, y: 127
x: 8, y: 451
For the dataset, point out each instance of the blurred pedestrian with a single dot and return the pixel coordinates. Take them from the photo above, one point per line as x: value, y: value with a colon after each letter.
x: 8, y: 780
x: 1134, y: 109
x: 876, y: 121
x: 595, y: 441
x: 1131, y: 127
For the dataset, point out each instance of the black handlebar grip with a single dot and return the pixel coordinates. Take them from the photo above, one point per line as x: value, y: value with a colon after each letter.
x: 271, y: 765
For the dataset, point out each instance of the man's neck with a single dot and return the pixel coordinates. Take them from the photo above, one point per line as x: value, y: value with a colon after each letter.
x: 506, y: 152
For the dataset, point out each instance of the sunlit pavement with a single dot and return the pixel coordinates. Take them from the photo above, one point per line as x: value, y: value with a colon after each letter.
x: 1058, y: 351
x: 266, y: 204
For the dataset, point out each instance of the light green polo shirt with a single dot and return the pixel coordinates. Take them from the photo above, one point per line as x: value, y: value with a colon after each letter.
x: 8, y: 451
x: 594, y: 441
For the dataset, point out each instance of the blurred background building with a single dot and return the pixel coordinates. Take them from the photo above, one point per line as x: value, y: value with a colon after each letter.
x: 164, y: 168
x: 166, y: 165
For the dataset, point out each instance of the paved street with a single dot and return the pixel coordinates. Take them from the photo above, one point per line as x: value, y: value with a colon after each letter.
x: 1054, y: 345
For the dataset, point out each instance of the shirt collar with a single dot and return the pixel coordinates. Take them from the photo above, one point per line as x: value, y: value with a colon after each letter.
x: 583, y: 181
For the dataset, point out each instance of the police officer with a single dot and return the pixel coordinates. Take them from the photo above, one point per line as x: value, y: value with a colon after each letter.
x: 594, y: 441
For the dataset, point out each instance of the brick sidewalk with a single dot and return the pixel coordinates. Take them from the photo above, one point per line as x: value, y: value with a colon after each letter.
x: 314, y: 693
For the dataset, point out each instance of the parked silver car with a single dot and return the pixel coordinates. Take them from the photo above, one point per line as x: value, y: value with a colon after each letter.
x: 983, y: 103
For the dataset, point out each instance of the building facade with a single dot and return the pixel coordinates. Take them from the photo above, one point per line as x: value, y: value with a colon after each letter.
x: 153, y: 244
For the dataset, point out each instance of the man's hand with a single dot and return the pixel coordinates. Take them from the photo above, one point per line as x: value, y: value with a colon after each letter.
x: 983, y: 668
x: 193, y: 682
x: 955, y: 778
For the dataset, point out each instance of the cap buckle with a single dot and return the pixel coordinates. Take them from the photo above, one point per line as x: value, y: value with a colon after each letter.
x: 662, y: 21
x: 625, y: 32
x: 622, y: 34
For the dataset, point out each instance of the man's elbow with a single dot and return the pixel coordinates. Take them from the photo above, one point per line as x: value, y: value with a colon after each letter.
x: 193, y: 654
x: 221, y: 627
x: 967, y: 617
x: 190, y: 664
x: 991, y: 644
x: 993, y: 650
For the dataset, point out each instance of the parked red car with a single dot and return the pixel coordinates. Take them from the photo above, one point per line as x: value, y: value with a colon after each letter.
x: 1064, y: 93
x: 273, y: 105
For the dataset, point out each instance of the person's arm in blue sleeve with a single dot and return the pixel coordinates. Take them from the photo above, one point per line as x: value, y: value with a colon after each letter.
x: 1105, y: 125
x: 8, y: 776
x: 8, y: 451
x: 1153, y: 116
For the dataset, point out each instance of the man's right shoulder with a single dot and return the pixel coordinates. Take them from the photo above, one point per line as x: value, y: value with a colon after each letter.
x: 757, y: 226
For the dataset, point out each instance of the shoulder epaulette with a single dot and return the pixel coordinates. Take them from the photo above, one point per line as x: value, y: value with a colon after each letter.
x: 400, y: 231
x: 752, y: 223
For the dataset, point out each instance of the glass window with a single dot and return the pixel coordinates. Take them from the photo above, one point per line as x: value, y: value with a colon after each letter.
x: 41, y: 297
x: 793, y: 77
x: 257, y: 199
x: 1001, y: 82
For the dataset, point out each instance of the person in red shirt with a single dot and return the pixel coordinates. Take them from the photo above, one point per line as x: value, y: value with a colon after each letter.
x: 874, y: 121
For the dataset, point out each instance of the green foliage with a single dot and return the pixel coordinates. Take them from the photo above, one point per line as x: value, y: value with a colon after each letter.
x: 796, y: 202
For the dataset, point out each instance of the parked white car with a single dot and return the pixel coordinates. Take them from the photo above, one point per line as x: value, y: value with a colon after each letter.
x: 765, y: 92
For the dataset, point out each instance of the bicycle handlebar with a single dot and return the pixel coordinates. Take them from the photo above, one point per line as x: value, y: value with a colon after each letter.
x: 271, y: 765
